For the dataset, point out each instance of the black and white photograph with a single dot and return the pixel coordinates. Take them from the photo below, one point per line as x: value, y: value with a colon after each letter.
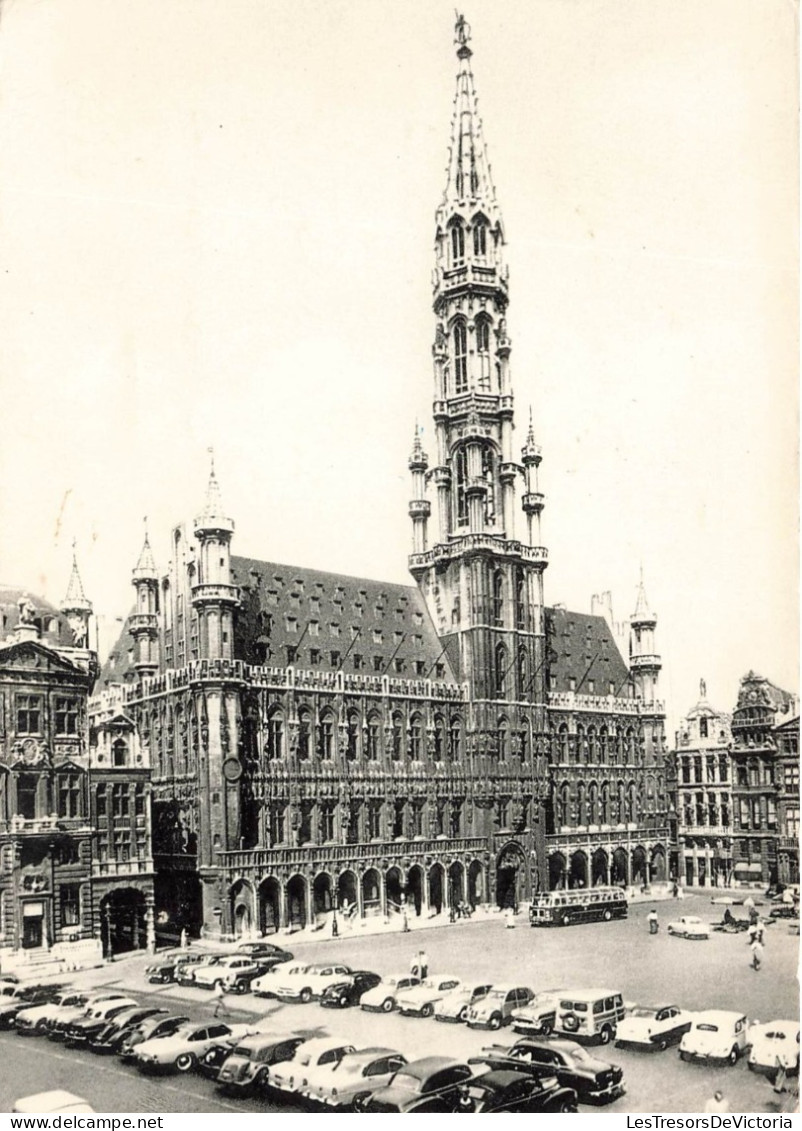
x: 399, y: 580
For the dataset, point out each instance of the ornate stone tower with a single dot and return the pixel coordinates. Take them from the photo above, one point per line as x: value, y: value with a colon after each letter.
x: 213, y: 595
x: 144, y: 622
x: 484, y: 589
x: 76, y: 607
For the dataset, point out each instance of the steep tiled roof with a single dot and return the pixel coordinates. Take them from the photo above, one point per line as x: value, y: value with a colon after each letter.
x: 333, y: 621
x: 582, y: 649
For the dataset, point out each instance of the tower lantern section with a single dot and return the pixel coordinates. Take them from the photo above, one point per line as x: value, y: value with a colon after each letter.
x: 214, y: 597
x: 419, y: 506
x: 143, y: 624
x: 645, y: 663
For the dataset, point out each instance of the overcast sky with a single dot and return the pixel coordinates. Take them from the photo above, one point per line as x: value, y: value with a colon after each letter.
x: 216, y: 228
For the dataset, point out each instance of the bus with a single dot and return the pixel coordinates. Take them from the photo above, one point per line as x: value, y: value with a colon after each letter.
x: 580, y: 905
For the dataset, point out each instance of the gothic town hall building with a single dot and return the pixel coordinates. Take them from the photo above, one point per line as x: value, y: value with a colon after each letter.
x: 319, y: 741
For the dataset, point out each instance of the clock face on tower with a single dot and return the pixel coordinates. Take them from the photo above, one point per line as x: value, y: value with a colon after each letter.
x: 232, y: 770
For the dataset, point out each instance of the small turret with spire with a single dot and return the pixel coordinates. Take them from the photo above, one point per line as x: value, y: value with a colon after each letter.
x: 644, y: 660
x: 533, y: 501
x: 214, y: 596
x: 143, y: 624
x: 76, y: 606
x: 419, y: 507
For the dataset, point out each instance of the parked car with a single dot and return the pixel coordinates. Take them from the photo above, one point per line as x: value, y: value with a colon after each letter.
x: 496, y: 1008
x: 266, y: 985
x: 33, y: 1020
x: 52, y: 1103
x: 241, y: 981
x: 505, y: 1091
x: 419, y: 1001
x: 339, y: 995
x: 150, y: 1030
x: 312, y: 981
x: 589, y: 1015
x: 774, y: 1045
x: 432, y: 1084
x: 594, y: 1081
x: 538, y: 1018
x: 383, y: 997
x: 717, y: 1035
x: 351, y: 1081
x: 246, y: 1069
x: 214, y: 1058
x: 78, y: 1032
x: 181, y: 1051
x: 265, y: 950
x: 167, y: 969
x: 287, y: 1075
x: 689, y: 927
x: 455, y: 1005
x: 25, y: 997
x: 60, y: 1020
x: 185, y: 971
x: 784, y: 911
x: 209, y: 975
x: 114, y: 1032
x: 653, y: 1027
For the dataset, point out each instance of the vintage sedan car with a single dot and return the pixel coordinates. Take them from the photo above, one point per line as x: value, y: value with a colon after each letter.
x: 150, y: 1030
x: 504, y: 1090
x: 266, y: 950
x: 185, y: 971
x: 496, y: 1008
x: 246, y: 1069
x: 419, y: 1001
x: 52, y: 1103
x: 181, y: 1051
x: 653, y: 1027
x: 595, y: 1081
x: 319, y: 1051
x: 312, y: 981
x: 215, y: 1057
x: 455, y: 1005
x: 538, y: 1018
x: 241, y: 980
x: 774, y: 1046
x: 33, y: 1021
x: 431, y: 1084
x: 209, y: 975
x: 689, y: 927
x: 166, y: 970
x: 59, y: 1020
x: 78, y: 1032
x: 383, y: 997
x: 266, y: 985
x: 114, y: 1032
x: 717, y: 1035
x: 24, y: 997
x: 339, y: 995
x: 350, y: 1082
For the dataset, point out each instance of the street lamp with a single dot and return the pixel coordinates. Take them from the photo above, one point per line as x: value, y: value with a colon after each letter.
x: 335, y: 930
x: 405, y: 921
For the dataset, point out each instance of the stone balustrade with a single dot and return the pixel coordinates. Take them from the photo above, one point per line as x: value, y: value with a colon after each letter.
x: 312, y: 856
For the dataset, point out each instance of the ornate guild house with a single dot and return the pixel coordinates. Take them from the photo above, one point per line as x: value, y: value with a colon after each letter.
x: 323, y: 743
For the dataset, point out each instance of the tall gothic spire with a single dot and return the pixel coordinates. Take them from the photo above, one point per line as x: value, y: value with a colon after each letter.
x: 213, y: 514
x: 469, y: 183
x: 75, y: 597
x: 642, y: 610
x: 146, y: 566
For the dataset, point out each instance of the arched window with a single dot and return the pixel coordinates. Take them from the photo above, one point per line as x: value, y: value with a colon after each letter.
x: 456, y: 738
x: 304, y: 733
x: 593, y: 804
x: 603, y: 742
x: 398, y: 737
x: 489, y: 476
x: 581, y: 744
x: 498, y: 598
x: 439, y: 738
x: 605, y: 804
x: 457, y: 244
x: 275, y: 735
x: 525, y: 746
x: 119, y: 752
x: 480, y: 239
x: 591, y: 744
x: 460, y: 336
x: 416, y: 738
x: 483, y: 352
x: 374, y: 738
x: 523, y: 671
x: 520, y: 599
x: 501, y: 671
x: 562, y: 742
x: 327, y: 736
x: 580, y: 804
x: 563, y: 806
x: 503, y: 739
x: 352, y: 747
x: 461, y: 468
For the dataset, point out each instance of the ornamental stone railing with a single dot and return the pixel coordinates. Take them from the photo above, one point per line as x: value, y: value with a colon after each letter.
x: 310, y: 856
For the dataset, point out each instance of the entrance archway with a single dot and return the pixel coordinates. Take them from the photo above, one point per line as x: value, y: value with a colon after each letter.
x: 510, y: 876
x: 346, y: 891
x: 601, y: 868
x: 579, y: 870
x: 296, y: 902
x: 394, y: 889
x: 178, y: 906
x: 456, y: 884
x: 476, y: 883
x: 639, y: 871
x: 371, y: 893
x: 415, y: 889
x: 557, y: 870
x: 321, y: 893
x: 620, y: 875
x: 436, y: 889
x: 241, y: 904
x: 123, y: 921
x: 269, y: 905
x: 658, y: 867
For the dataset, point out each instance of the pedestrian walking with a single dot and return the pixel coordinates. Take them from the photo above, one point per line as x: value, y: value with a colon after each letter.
x: 759, y: 928
x: 220, y: 999
x: 717, y: 1104
x: 749, y: 904
x: 757, y: 955
x: 423, y: 961
x: 654, y: 925
x: 752, y: 933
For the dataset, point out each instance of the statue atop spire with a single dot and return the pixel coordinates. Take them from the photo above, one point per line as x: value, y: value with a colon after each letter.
x: 462, y: 33
x: 76, y: 606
